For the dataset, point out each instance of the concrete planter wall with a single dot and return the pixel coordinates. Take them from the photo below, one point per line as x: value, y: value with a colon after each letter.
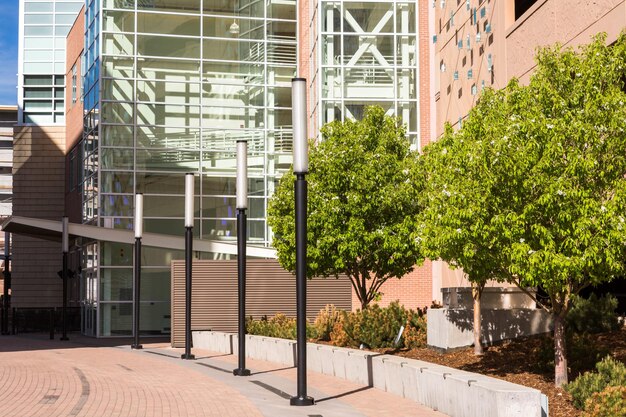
x: 453, y: 328
x: 451, y: 391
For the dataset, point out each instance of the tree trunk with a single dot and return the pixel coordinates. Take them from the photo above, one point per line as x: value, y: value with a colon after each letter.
x: 560, y: 359
x: 476, y: 294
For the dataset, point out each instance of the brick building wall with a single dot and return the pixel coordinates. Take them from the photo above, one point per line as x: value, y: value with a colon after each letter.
x: 74, y: 118
x: 39, y: 185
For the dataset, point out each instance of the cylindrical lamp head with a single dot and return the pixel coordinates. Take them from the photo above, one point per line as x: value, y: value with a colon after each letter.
x: 299, y: 121
x: 189, y: 185
x: 138, y: 215
x: 65, y: 239
x: 242, y: 174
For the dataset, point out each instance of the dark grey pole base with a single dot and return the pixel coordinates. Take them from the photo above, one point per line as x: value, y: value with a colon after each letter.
x: 241, y: 372
x: 301, y: 401
x: 188, y: 356
x: 134, y: 346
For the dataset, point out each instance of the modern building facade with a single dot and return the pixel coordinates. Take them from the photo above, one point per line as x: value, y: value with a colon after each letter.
x: 141, y: 92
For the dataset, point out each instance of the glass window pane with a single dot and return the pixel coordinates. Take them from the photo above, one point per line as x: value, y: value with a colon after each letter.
x: 68, y: 7
x: 119, y: 4
x: 116, y: 254
x: 153, y: 45
x: 116, y: 182
x: 117, y: 89
x: 164, y: 206
x: 167, y: 160
x: 118, y: 21
x: 170, y: 92
x: 38, y: 7
x: 228, y: 72
x: 233, y: 50
x: 170, y: 24
x: 37, y: 19
x: 116, y: 112
x: 168, y: 114
x: 117, y: 205
x: 38, y: 43
x: 155, y: 285
x: 117, y: 67
x: 38, y: 92
x: 186, y: 6
x: 116, y: 158
x: 64, y: 19
x: 116, y: 319
x: 117, y: 136
x: 365, y: 17
x: 117, y: 44
x: 38, y: 105
x: 160, y: 183
x: 37, y: 30
x: 37, y: 80
x: 164, y: 69
x: 168, y: 137
x: 280, y: 9
x: 38, y: 56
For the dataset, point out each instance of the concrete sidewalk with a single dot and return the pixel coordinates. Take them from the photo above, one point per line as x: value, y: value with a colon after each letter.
x: 40, y: 377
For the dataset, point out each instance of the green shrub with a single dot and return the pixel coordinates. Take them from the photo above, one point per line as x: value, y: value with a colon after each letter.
x: 593, y: 314
x: 377, y: 327
x: 278, y: 326
x: 611, y: 402
x: 415, y: 333
x: 325, y: 322
x: 610, y: 373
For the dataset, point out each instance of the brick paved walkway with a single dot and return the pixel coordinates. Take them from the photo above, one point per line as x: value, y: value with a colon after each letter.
x: 40, y: 377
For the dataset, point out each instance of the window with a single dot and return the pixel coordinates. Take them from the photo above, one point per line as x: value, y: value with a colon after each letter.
x: 521, y: 6
x: 74, y: 84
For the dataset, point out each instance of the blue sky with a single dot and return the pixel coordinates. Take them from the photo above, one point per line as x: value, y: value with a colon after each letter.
x: 8, y: 51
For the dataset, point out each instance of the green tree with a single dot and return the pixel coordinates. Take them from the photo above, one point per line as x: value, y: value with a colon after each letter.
x: 568, y: 231
x: 465, y: 174
x: 363, y: 201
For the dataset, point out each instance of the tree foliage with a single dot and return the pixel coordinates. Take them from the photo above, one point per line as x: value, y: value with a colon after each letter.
x: 363, y: 199
x: 533, y: 187
x: 568, y: 233
x: 466, y: 179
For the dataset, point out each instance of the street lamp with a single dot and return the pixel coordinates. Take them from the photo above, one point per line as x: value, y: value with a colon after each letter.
x: 242, y: 205
x: 137, y: 295
x: 189, y: 186
x: 300, y: 168
x: 65, y: 248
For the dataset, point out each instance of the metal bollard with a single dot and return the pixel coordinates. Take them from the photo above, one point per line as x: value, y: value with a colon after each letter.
x: 14, y: 321
x: 51, y: 324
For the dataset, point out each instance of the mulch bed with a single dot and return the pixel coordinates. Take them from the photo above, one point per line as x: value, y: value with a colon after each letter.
x: 516, y: 362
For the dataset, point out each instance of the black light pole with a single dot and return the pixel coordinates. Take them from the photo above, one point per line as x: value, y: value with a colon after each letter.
x: 65, y: 248
x: 242, y: 205
x: 189, y: 185
x: 7, y: 283
x: 300, y: 168
x: 137, y: 294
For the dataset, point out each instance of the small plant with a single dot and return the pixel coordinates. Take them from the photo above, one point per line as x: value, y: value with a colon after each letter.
x: 278, y: 326
x: 610, y: 373
x: 325, y: 322
x: 415, y: 331
x: 611, y: 402
x: 593, y: 314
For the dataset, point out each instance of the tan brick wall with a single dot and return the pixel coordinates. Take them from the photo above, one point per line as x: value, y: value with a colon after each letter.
x: 412, y: 290
x: 74, y: 111
x: 39, y: 185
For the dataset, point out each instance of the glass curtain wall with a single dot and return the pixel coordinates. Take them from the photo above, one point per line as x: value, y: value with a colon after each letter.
x: 42, y: 65
x: 369, y: 55
x: 178, y: 82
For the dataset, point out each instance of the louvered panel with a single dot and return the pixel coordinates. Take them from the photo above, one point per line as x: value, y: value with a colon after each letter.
x: 269, y: 290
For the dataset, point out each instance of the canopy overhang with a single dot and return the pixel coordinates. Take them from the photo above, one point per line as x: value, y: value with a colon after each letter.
x: 51, y: 230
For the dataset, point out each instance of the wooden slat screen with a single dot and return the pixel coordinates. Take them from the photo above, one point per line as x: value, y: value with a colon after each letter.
x: 269, y: 290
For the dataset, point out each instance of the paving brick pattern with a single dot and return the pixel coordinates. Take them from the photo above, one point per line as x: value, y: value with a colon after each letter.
x: 40, y: 377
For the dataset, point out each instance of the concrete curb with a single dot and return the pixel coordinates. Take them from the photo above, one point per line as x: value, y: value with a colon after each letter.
x: 453, y: 392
